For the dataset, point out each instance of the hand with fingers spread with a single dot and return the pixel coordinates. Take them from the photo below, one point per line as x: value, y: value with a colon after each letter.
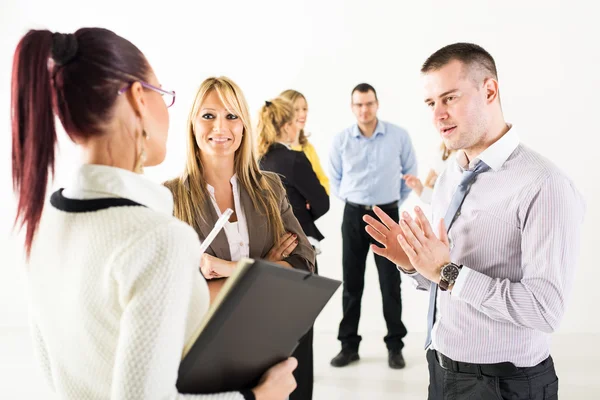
x: 426, y: 252
x: 386, y: 232
x: 284, y: 248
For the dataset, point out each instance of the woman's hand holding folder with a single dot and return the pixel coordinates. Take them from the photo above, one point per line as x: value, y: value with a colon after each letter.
x: 278, y: 382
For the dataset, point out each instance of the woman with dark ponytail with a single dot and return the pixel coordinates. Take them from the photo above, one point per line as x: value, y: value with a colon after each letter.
x: 115, y: 290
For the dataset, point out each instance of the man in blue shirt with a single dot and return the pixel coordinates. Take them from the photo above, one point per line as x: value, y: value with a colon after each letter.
x: 366, y: 165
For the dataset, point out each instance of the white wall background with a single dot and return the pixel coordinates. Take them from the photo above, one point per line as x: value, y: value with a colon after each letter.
x: 548, y: 68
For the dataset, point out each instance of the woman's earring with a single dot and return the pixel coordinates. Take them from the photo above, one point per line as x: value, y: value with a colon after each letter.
x: 139, y: 165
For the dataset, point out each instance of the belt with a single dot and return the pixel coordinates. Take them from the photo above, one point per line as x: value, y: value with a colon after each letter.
x: 393, y: 204
x: 500, y: 369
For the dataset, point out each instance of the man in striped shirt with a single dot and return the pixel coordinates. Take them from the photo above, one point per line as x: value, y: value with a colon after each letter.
x: 500, y: 259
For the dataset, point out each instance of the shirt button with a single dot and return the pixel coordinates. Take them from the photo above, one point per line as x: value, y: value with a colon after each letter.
x: 241, y: 244
x: 451, y: 243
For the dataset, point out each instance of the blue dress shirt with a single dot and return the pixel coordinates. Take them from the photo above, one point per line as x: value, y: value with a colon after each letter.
x: 369, y: 171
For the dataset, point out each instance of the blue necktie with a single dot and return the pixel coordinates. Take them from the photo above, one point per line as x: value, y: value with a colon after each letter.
x: 459, y: 196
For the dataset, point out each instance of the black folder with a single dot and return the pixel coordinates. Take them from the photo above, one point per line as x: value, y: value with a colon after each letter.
x: 255, y: 322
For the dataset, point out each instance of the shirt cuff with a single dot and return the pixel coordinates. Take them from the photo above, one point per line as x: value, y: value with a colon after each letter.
x: 406, y: 272
x: 471, y: 286
x: 459, y: 284
x: 419, y: 281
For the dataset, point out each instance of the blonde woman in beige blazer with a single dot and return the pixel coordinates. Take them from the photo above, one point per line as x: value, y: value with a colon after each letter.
x: 222, y: 172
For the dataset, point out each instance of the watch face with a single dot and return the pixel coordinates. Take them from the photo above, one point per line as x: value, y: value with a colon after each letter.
x: 450, y: 273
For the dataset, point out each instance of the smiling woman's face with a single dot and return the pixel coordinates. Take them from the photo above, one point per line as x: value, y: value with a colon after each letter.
x: 217, y: 129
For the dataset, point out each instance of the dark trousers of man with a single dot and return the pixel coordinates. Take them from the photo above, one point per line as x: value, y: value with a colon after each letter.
x: 304, y: 374
x: 356, y: 243
x: 483, y: 383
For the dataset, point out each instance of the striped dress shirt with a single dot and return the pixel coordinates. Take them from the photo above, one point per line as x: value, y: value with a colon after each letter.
x: 517, y: 236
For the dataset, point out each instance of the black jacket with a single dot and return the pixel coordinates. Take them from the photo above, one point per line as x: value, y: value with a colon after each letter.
x: 301, y: 184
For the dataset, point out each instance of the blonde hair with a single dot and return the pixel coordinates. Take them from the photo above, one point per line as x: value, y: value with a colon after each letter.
x: 272, y: 117
x: 445, y: 151
x: 293, y: 95
x: 190, y: 190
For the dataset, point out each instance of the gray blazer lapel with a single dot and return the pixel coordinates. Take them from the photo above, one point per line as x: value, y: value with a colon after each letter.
x: 257, y: 226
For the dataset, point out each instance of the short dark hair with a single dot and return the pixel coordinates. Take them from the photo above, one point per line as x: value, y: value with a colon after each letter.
x: 364, y: 88
x: 468, y: 53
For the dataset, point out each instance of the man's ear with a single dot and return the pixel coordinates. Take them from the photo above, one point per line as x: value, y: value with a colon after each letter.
x: 490, y: 85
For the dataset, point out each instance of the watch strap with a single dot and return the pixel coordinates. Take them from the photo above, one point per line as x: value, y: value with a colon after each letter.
x: 443, y: 285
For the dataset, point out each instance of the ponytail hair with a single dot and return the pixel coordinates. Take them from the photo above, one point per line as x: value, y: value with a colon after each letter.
x: 271, y: 119
x: 33, y: 129
x: 75, y: 76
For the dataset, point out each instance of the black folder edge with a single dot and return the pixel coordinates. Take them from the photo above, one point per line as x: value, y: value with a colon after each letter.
x: 242, y: 268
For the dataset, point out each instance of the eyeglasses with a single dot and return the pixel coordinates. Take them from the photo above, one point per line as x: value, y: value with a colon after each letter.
x: 167, y: 95
x: 368, y: 104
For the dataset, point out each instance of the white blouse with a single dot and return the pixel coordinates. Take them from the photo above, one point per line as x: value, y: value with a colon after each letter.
x: 236, y: 232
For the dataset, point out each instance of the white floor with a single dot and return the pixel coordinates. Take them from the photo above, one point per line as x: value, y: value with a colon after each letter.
x: 576, y: 356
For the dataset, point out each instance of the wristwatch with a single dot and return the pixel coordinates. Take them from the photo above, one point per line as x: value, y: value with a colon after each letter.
x: 448, y: 275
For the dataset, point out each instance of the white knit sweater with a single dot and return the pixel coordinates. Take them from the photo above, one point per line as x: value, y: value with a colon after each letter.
x: 115, y: 289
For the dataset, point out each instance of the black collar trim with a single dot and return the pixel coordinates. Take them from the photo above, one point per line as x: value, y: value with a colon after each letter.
x: 77, y: 206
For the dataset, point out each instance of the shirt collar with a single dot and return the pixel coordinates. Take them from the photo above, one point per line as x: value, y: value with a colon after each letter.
x: 233, y: 182
x: 109, y: 181
x: 380, y: 128
x: 496, y: 155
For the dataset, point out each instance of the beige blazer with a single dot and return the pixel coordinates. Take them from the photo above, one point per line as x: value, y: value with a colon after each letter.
x: 261, y: 238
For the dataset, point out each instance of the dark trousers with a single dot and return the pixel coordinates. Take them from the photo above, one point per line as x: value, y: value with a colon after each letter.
x: 532, y: 383
x: 304, y: 374
x: 356, y: 243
